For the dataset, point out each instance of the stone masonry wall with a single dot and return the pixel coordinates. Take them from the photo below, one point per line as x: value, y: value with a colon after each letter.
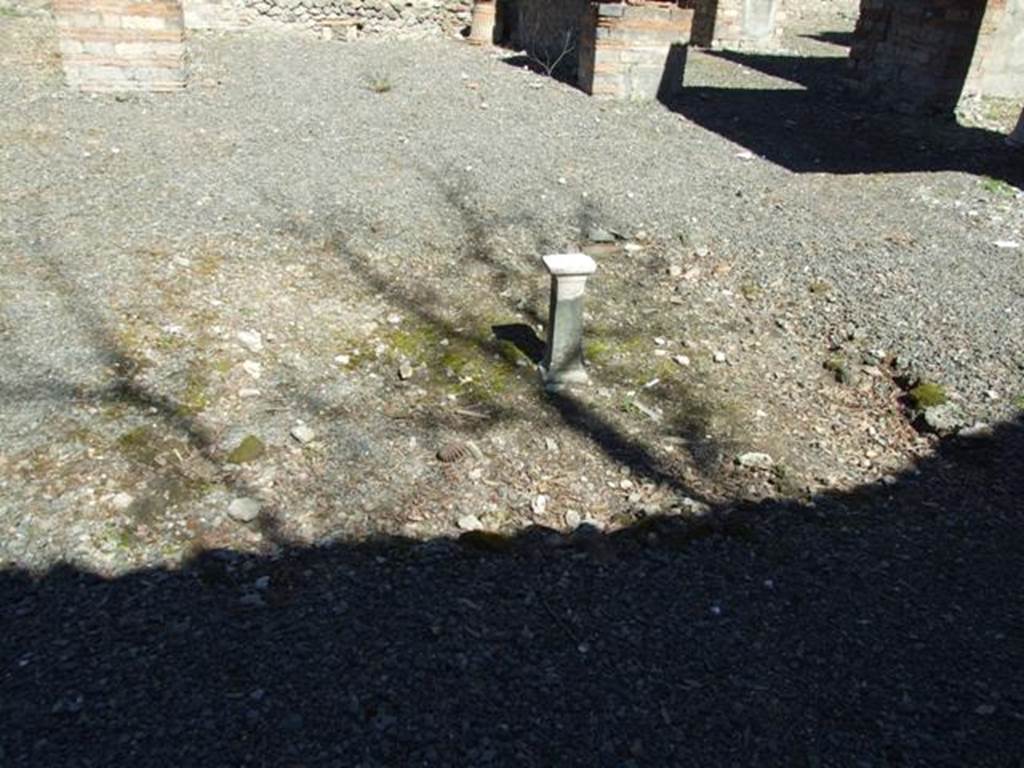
x: 630, y: 51
x: 738, y: 24
x: 217, y: 14
x: 121, y: 45
x: 915, y: 54
x: 359, y: 18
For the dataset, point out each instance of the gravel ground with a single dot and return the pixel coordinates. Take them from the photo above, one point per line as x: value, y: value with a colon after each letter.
x: 883, y: 629
x: 242, y: 326
x: 190, y: 274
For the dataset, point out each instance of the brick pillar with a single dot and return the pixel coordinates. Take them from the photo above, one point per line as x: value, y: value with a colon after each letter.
x: 634, y: 51
x: 121, y: 45
x: 914, y: 55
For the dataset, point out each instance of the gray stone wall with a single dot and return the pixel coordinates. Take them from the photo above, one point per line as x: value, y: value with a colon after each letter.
x: 344, y: 18
x: 738, y: 24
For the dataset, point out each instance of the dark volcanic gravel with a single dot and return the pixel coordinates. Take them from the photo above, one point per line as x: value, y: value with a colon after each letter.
x: 878, y: 630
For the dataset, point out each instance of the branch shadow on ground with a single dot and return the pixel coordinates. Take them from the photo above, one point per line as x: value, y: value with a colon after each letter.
x: 881, y: 626
x: 417, y: 300
x: 203, y: 461
x: 825, y: 129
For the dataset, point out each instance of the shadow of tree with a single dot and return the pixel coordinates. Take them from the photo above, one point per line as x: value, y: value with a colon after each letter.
x: 124, y: 386
x: 433, y: 313
x: 879, y: 627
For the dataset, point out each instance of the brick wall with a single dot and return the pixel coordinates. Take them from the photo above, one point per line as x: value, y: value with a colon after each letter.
x: 915, y: 54
x: 632, y: 51
x: 121, y: 45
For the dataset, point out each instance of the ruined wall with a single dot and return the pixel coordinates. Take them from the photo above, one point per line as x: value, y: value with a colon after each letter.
x: 738, y: 24
x: 347, y: 18
x: 217, y: 14
x: 915, y: 54
x: 121, y: 45
x: 998, y: 65
x: 402, y: 18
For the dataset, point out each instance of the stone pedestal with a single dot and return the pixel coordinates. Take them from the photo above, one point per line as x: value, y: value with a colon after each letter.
x: 563, y: 359
x: 634, y: 51
x: 121, y: 45
x: 914, y: 55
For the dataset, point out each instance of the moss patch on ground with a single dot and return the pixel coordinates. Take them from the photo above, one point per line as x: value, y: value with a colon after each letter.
x: 250, y: 449
x: 927, y: 394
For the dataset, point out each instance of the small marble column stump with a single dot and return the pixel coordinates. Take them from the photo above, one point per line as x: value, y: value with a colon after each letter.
x: 563, y: 359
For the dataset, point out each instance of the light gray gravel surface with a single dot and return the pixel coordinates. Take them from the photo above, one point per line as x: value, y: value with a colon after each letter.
x: 777, y: 235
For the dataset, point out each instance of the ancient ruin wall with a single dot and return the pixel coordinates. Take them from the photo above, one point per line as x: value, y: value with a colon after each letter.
x: 737, y: 24
x: 121, y: 45
x: 345, y: 18
x: 915, y: 54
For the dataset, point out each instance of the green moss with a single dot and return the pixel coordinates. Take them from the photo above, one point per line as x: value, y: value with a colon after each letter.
x: 596, y: 351
x: 223, y: 366
x: 510, y: 353
x: 997, y: 187
x: 837, y: 366
x: 147, y: 445
x: 1018, y: 403
x: 602, y: 347
x: 418, y: 343
x: 480, y: 377
x: 482, y: 366
x: 927, y: 394
x: 196, y: 396
x: 250, y: 449
x: 628, y: 406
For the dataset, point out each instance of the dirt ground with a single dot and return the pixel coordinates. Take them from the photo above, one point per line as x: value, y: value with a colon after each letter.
x: 291, y: 305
